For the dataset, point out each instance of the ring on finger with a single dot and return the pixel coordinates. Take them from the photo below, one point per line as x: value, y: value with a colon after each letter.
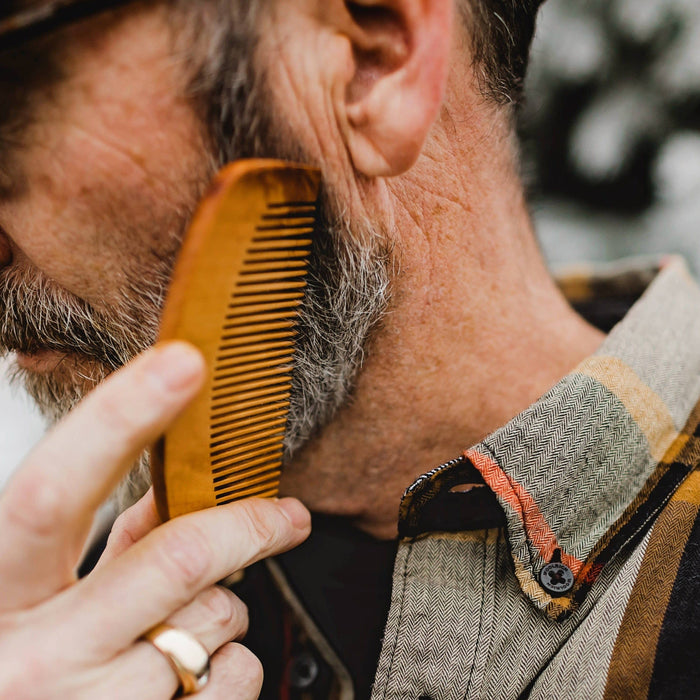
x: 187, y: 657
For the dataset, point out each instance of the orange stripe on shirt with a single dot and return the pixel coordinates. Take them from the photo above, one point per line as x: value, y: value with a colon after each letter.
x: 518, y: 498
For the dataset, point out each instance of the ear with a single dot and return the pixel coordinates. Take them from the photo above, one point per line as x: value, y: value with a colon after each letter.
x: 394, y: 90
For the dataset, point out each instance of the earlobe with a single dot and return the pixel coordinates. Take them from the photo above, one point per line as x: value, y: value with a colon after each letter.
x: 400, y: 59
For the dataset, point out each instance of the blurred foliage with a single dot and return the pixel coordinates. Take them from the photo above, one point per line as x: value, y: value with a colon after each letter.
x: 614, y: 100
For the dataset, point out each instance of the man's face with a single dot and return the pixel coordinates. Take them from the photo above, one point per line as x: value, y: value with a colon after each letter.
x: 100, y: 179
x: 99, y: 183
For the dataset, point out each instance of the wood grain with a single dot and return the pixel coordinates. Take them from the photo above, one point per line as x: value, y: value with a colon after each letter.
x: 235, y: 294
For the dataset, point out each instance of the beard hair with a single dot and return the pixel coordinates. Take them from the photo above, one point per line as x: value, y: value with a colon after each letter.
x: 347, y: 293
x: 348, y: 284
x: 38, y: 314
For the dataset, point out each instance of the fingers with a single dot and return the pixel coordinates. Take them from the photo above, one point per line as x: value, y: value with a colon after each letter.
x: 143, y: 672
x: 166, y: 569
x: 47, y: 660
x: 47, y: 508
x: 236, y: 674
x: 131, y: 526
x: 216, y: 616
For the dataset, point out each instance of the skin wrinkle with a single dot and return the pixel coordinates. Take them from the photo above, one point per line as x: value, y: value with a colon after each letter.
x: 119, y: 150
x: 407, y: 318
x: 67, y: 204
x: 297, y: 87
x: 124, y: 151
x: 6, y: 185
x: 337, y: 321
x: 351, y: 183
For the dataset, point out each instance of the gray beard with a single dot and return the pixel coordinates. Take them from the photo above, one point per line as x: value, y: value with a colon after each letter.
x: 348, y: 285
x: 347, y: 293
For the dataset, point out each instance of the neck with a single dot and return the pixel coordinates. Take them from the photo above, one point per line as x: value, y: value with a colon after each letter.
x: 475, y: 333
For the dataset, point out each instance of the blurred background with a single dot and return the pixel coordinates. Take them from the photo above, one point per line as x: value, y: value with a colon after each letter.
x: 611, y: 139
x: 611, y: 129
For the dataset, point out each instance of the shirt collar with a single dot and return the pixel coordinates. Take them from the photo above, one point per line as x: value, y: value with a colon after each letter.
x: 583, y: 472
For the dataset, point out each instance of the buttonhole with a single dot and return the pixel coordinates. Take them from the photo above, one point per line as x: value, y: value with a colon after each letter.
x: 465, y: 488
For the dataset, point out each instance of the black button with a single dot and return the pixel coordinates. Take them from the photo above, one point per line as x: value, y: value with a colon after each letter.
x: 557, y: 578
x: 303, y: 671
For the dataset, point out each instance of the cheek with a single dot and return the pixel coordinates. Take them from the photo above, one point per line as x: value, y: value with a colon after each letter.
x: 98, y: 207
x: 116, y: 162
x: 303, y: 62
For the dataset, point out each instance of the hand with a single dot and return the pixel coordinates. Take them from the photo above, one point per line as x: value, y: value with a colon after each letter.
x: 63, y: 638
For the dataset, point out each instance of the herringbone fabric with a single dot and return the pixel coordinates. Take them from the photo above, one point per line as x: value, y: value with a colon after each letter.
x: 584, y: 478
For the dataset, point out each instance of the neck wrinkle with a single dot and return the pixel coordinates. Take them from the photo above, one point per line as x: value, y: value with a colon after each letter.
x: 476, y: 330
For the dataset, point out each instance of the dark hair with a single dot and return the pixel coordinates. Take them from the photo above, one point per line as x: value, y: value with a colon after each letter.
x: 501, y: 33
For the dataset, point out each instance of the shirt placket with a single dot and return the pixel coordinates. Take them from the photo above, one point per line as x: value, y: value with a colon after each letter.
x: 438, y: 633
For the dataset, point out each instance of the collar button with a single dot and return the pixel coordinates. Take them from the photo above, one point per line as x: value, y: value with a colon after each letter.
x: 557, y: 578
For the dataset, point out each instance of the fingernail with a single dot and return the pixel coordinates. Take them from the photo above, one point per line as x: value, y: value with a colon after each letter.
x: 295, y: 512
x: 175, y: 364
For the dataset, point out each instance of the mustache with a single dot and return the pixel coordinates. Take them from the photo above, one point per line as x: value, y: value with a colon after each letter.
x: 38, y: 314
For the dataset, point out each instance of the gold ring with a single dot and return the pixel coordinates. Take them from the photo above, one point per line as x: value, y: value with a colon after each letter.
x: 188, y: 658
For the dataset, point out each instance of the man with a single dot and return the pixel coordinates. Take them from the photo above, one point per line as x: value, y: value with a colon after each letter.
x: 554, y: 557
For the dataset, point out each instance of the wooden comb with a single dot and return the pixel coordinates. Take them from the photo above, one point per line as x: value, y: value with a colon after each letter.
x: 236, y: 291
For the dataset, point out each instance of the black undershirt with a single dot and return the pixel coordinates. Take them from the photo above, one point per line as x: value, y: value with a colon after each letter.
x: 343, y: 578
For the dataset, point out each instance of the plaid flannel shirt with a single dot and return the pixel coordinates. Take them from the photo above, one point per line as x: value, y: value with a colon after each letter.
x: 560, y: 557
x: 598, y: 478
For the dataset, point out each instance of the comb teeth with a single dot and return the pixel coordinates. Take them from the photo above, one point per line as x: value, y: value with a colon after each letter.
x: 236, y: 293
x: 253, y: 371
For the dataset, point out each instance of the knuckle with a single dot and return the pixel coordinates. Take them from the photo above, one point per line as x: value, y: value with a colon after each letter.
x: 225, y: 610
x: 36, y: 506
x: 186, y: 555
x: 123, y: 530
x: 242, y: 616
x: 259, y: 526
